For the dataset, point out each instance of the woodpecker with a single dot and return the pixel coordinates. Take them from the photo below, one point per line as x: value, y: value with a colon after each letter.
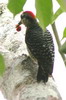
x: 40, y: 45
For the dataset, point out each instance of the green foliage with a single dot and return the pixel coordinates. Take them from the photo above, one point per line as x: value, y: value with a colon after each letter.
x: 57, y: 13
x: 2, y: 65
x: 64, y: 33
x: 44, y: 12
x: 63, y: 48
x: 15, y: 6
x: 62, y: 3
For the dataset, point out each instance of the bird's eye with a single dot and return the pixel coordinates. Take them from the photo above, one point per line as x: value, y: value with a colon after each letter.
x: 23, y: 16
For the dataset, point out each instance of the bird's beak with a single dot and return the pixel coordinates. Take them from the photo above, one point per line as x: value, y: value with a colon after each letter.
x: 18, y: 27
x: 18, y: 24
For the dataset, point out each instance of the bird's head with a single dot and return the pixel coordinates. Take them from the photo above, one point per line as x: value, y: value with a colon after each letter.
x: 27, y: 18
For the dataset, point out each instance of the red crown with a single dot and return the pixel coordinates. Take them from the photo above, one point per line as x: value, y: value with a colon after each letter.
x: 30, y: 13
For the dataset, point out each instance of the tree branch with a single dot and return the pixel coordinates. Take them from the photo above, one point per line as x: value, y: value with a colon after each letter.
x: 58, y: 41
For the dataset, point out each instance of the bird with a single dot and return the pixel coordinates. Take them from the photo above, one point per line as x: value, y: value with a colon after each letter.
x: 40, y: 45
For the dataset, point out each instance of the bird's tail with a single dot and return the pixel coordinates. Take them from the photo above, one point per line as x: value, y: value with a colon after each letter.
x: 44, y: 72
